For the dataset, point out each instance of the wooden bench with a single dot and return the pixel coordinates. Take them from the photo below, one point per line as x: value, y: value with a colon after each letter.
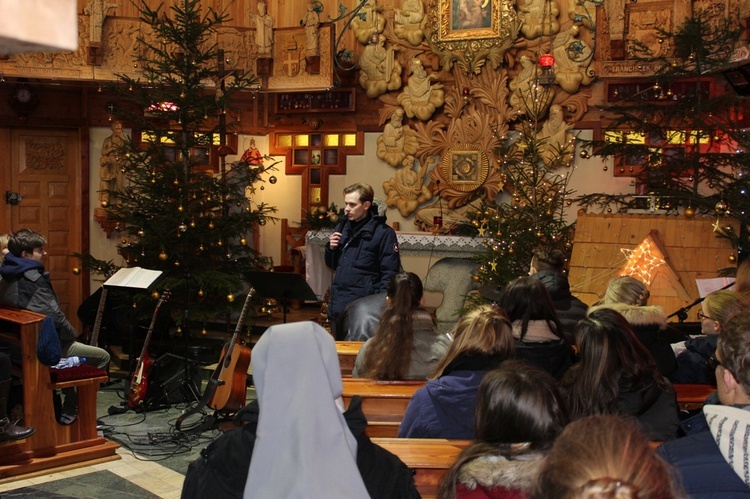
x: 52, y: 445
x: 383, y: 402
x: 691, y: 397
x: 347, y: 351
x: 430, y: 458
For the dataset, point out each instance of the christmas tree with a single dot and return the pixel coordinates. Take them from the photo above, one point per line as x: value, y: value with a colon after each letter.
x: 172, y: 213
x: 680, y: 133
x: 536, y: 170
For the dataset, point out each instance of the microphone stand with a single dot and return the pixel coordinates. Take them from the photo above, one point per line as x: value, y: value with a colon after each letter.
x: 682, y: 314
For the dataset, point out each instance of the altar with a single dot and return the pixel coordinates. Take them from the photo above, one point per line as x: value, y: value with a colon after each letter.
x: 419, y: 250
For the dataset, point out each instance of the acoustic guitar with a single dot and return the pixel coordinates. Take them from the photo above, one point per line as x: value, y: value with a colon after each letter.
x: 94, y: 340
x: 229, y: 381
x: 139, y: 381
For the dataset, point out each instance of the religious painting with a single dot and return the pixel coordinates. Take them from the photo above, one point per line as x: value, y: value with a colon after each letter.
x: 471, y: 32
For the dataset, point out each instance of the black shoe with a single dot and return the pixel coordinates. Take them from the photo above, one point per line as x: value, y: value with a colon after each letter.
x: 9, y: 432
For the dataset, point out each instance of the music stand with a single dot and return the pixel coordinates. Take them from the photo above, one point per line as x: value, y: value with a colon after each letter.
x: 282, y: 286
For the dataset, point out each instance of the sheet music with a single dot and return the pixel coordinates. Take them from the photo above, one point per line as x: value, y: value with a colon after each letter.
x: 706, y: 286
x: 133, y: 277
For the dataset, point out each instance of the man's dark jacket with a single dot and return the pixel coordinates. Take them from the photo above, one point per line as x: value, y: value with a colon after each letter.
x: 363, y: 261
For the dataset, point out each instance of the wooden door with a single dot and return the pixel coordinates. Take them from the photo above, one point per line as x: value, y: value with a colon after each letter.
x: 44, y: 169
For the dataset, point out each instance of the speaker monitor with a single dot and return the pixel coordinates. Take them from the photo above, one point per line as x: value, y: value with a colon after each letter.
x: 166, y: 377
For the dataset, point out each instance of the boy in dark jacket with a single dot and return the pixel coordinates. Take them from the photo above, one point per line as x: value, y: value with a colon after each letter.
x: 26, y: 285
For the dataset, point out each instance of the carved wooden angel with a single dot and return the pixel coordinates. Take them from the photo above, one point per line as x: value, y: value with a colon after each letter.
x: 419, y: 98
x: 406, y: 191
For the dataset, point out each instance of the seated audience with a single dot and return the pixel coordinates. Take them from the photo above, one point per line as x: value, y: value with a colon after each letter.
x: 604, y: 457
x: 519, y: 415
x: 536, y: 328
x: 548, y: 266
x: 445, y: 406
x: 26, y: 285
x: 359, y: 320
x: 8, y: 431
x: 616, y: 375
x: 714, y: 463
x: 629, y: 297
x: 304, y: 444
x: 406, y: 345
x: 716, y: 310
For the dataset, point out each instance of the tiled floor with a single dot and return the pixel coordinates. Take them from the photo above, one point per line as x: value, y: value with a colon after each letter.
x: 148, y: 475
x: 157, y: 468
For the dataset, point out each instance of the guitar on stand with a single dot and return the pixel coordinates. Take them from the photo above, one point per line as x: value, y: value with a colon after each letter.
x: 139, y: 381
x: 226, y: 390
x: 94, y: 340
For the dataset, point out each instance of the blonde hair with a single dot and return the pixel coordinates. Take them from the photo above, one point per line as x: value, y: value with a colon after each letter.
x: 724, y: 304
x: 486, y: 330
x: 604, y: 457
x: 627, y: 290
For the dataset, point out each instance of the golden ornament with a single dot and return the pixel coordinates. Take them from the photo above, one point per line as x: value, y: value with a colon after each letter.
x: 243, y: 241
x: 732, y: 258
x: 689, y: 212
x: 155, y: 295
x: 104, y: 204
x: 163, y: 256
x: 201, y: 292
x: 204, y: 332
x: 76, y: 270
x: 230, y: 298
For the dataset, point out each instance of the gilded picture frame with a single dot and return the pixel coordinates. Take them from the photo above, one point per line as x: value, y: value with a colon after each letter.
x: 471, y: 33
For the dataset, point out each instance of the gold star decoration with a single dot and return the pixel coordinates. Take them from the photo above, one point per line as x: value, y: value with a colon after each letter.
x: 642, y: 261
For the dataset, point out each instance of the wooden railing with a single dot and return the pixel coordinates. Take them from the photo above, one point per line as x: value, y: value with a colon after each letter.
x: 430, y: 458
x: 52, y: 445
x: 383, y: 402
x: 348, y: 351
x: 691, y: 397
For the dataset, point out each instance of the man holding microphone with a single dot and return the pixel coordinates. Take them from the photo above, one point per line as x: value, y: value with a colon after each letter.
x: 362, y: 251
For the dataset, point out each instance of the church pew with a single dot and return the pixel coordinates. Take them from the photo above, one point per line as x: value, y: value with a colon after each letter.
x: 383, y: 402
x: 691, y: 397
x: 52, y: 445
x: 430, y: 458
x: 347, y: 352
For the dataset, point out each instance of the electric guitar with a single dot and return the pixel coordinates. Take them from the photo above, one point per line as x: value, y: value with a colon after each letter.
x: 139, y: 381
x: 228, y: 384
x: 94, y: 340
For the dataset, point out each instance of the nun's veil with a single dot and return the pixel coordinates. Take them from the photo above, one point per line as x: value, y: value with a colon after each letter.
x: 303, y: 447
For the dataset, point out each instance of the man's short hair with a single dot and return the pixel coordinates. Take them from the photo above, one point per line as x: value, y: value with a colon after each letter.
x: 548, y: 259
x: 25, y: 240
x: 734, y: 347
x: 364, y: 190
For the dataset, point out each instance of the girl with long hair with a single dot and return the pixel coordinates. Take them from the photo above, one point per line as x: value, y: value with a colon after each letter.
x: 519, y: 415
x: 536, y: 328
x: 405, y: 345
x: 616, y: 375
x: 445, y: 406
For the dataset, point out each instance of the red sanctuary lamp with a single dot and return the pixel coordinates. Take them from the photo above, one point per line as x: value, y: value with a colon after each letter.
x: 547, y: 62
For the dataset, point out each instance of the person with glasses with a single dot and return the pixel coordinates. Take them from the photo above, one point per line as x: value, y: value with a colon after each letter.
x: 692, y: 355
x: 713, y: 463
